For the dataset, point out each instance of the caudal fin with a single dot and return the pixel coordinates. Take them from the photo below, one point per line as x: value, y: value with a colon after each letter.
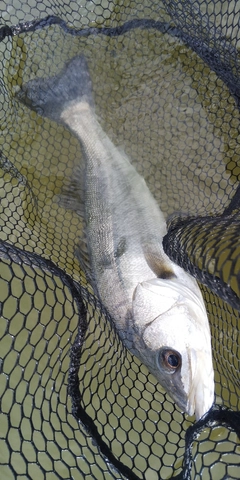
x: 49, y: 97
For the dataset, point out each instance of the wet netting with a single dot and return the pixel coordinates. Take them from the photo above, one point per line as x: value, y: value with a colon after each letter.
x: 166, y: 82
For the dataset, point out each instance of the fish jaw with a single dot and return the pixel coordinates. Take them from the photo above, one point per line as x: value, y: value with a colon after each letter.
x: 175, y: 320
x: 201, y: 394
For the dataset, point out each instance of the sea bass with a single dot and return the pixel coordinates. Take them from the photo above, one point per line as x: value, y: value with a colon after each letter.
x: 157, y: 308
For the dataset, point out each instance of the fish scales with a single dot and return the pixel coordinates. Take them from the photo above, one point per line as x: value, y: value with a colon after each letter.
x: 157, y: 308
x: 110, y: 194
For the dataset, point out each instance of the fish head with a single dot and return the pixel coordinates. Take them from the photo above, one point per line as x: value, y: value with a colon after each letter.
x: 174, y: 341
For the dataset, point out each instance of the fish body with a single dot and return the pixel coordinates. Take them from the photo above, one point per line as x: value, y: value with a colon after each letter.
x: 157, y: 308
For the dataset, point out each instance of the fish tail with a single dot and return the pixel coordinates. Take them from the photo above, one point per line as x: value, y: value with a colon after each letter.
x: 51, y: 96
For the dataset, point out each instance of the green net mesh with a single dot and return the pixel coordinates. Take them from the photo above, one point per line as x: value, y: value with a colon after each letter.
x: 74, y: 402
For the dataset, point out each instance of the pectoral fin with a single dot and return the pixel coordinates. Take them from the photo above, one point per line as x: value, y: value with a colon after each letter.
x: 156, y: 260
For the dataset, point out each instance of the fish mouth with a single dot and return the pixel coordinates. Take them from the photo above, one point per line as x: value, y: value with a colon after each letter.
x: 182, y: 403
x: 199, y: 409
x: 201, y: 394
x: 194, y: 393
x: 174, y: 386
x: 198, y: 405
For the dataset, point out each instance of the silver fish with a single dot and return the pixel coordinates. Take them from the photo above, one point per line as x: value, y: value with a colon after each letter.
x: 157, y: 308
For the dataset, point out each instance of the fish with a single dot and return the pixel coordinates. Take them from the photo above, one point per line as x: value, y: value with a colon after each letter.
x: 156, y: 307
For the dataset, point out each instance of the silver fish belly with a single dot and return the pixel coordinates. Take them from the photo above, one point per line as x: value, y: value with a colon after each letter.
x: 157, y: 308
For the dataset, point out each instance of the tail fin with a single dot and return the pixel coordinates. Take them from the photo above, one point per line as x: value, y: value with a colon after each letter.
x: 49, y: 97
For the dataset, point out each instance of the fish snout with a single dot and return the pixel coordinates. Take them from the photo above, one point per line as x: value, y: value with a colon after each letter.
x: 201, y: 393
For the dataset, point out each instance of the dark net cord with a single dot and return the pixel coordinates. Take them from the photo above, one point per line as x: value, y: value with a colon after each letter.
x: 219, y: 59
x: 213, y: 47
x: 173, y: 243
x: 234, y: 205
x: 81, y: 415
x: 163, y: 27
x: 211, y: 56
x: 216, y: 416
x: 14, y: 254
x: 186, y: 244
x: 176, y: 249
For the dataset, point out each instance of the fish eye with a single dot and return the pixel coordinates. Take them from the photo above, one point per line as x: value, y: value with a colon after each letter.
x: 170, y: 359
